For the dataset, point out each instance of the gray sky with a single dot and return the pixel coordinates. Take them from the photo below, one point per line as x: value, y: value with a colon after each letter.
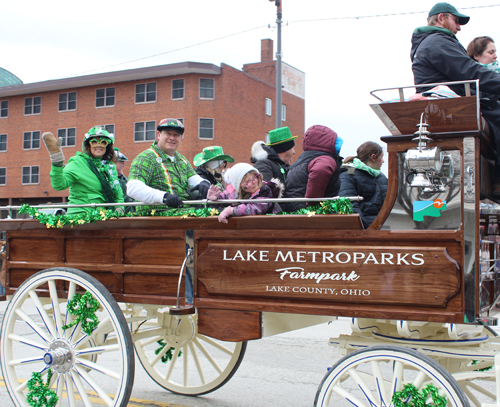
x: 344, y: 58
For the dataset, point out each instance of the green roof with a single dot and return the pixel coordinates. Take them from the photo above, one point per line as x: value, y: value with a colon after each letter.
x: 8, y: 79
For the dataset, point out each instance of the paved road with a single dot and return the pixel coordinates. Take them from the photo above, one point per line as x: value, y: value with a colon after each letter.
x: 280, y: 371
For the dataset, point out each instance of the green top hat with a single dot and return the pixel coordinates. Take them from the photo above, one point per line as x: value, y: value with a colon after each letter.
x: 279, y: 136
x: 211, y: 153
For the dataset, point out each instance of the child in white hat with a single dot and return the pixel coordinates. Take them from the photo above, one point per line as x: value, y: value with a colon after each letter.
x: 246, y: 183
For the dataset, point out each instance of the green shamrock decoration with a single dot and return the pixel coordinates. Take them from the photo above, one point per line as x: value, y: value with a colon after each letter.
x: 411, y: 397
x: 84, y: 308
x: 340, y: 206
x: 168, y: 354
x: 40, y: 394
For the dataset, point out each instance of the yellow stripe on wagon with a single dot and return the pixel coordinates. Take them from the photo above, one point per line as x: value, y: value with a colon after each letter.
x: 133, y: 402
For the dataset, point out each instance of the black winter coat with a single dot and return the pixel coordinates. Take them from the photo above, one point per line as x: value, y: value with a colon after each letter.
x: 298, y: 179
x: 372, y: 189
x: 438, y: 56
x: 205, y: 174
x: 272, y: 166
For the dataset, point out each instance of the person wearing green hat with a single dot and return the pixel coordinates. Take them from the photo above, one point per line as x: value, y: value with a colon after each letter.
x: 210, y: 164
x: 90, y: 175
x: 161, y: 174
x: 437, y: 56
x: 273, y: 159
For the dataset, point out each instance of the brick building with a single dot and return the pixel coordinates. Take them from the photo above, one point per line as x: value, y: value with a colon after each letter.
x: 219, y: 105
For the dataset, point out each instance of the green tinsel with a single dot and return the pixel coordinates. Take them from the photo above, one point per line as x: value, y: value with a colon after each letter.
x: 40, y: 394
x: 485, y: 369
x: 339, y: 206
x: 84, y: 308
x: 168, y: 354
x: 411, y: 397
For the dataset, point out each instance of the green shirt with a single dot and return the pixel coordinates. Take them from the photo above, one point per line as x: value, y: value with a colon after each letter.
x: 157, y: 170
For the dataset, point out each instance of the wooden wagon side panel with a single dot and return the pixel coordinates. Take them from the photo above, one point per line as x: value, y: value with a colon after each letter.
x: 417, y: 277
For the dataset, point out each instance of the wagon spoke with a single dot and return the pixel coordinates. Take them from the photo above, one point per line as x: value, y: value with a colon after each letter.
x: 32, y: 324
x: 362, y: 386
x: 98, y: 368
x: 216, y: 345
x: 70, y: 391
x: 207, y: 355
x: 197, y: 364
x: 380, y: 383
x: 29, y: 342
x: 185, y: 365
x: 49, y: 325
x: 92, y: 383
x: 397, y: 381
x: 98, y: 350
x: 172, y: 363
x: 19, y: 362
x: 55, y: 307
x: 81, y: 389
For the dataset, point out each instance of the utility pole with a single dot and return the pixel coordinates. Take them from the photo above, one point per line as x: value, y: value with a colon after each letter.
x: 278, y: 64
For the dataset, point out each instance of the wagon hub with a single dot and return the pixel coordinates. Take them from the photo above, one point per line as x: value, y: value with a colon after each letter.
x: 59, y: 356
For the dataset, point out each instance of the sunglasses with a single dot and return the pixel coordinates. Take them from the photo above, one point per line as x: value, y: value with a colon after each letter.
x: 99, y: 142
x: 254, y: 179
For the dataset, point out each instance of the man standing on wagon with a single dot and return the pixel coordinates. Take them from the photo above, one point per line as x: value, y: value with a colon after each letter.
x: 161, y: 174
x: 437, y: 56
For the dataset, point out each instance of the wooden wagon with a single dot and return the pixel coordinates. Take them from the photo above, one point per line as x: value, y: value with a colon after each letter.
x: 418, y: 289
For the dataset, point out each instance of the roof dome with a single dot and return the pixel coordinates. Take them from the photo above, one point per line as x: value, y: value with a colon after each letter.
x: 8, y: 79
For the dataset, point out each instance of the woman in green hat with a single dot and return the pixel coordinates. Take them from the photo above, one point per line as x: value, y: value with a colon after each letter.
x: 90, y: 175
x: 210, y: 164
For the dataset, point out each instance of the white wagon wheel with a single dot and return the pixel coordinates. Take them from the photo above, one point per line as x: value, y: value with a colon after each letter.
x: 371, y: 376
x: 87, y: 370
x: 476, y: 376
x: 198, y: 365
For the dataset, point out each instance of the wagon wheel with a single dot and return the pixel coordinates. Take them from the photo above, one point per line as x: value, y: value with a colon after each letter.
x: 198, y: 364
x: 86, y: 369
x: 371, y: 376
x: 475, y: 376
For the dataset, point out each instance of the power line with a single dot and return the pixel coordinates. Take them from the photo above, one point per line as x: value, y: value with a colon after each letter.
x: 263, y: 26
x: 174, y: 50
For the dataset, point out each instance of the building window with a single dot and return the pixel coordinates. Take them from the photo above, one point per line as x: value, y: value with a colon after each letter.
x: 105, y: 97
x: 3, y: 142
x: 269, y: 107
x: 206, y: 129
x: 206, y: 88
x: 110, y: 128
x: 31, y: 175
x: 283, y: 113
x: 33, y: 105
x: 68, y: 137
x: 178, y: 89
x: 145, y: 92
x: 145, y: 131
x: 4, y: 108
x: 3, y: 176
x: 67, y: 101
x: 31, y: 140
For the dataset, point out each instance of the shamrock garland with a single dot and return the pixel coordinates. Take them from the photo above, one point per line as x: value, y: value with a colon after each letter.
x: 341, y: 206
x: 411, y: 397
x: 84, y: 308
x: 168, y: 354
x: 40, y: 394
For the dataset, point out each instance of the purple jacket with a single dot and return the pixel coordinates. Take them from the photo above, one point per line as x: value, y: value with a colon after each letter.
x: 269, y: 189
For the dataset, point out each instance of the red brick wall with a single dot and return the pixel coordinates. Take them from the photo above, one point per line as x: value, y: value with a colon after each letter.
x: 238, y: 110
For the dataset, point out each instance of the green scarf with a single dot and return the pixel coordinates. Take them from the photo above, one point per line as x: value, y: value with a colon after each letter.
x: 360, y: 165
x: 102, y: 170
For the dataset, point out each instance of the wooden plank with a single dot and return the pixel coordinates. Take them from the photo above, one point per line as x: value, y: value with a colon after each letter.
x: 228, y: 325
x: 406, y: 275
x: 443, y: 115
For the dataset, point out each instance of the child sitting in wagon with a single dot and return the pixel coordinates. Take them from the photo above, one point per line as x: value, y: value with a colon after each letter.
x: 245, y: 182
